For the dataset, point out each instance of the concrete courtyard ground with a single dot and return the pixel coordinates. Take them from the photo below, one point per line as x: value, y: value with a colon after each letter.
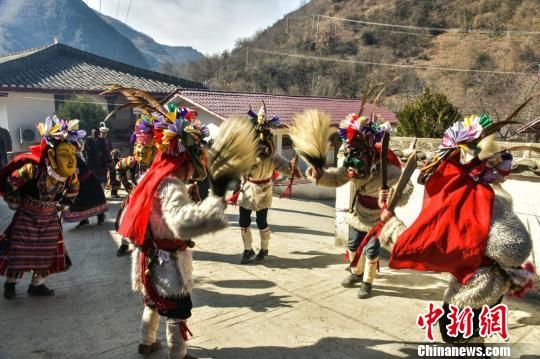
x: 290, y: 306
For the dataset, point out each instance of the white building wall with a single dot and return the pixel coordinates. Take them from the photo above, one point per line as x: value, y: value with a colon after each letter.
x: 525, y: 194
x: 23, y: 111
x: 3, y: 112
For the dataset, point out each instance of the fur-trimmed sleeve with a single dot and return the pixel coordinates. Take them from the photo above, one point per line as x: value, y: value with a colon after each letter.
x: 186, y: 219
x: 509, y: 243
x: 390, y: 232
x: 332, y: 177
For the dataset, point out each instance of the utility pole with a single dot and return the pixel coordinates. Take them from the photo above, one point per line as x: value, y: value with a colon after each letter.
x: 247, y: 58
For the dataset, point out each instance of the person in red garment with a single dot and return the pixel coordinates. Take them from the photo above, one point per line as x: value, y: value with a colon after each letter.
x: 160, y: 218
x: 37, y: 185
x: 467, y: 226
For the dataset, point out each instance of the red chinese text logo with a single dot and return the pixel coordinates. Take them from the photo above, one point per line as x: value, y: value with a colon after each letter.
x: 494, y: 321
x: 460, y: 322
x: 491, y: 321
x: 428, y: 320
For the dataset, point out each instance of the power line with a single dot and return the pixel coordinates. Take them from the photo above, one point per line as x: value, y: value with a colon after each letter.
x: 129, y: 8
x: 433, y: 68
x: 439, y: 29
x: 458, y: 32
x: 117, y: 9
x: 73, y: 101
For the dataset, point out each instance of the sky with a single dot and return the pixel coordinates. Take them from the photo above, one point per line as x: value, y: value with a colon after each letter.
x: 210, y: 26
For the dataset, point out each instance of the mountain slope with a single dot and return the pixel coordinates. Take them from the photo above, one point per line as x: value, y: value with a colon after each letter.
x: 348, y: 51
x: 32, y: 23
x: 156, y: 54
x: 26, y: 24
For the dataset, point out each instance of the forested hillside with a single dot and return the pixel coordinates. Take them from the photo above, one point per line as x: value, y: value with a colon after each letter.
x: 483, y: 54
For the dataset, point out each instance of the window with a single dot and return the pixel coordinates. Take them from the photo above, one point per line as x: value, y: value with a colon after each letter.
x: 58, y: 101
x: 110, y: 103
x: 286, y: 141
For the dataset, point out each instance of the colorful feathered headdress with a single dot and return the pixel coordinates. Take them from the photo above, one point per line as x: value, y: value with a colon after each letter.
x: 176, y: 130
x: 359, y: 131
x: 474, y: 136
x: 359, y: 136
x: 263, y: 127
x: 55, y: 131
x: 179, y: 130
x: 144, y: 130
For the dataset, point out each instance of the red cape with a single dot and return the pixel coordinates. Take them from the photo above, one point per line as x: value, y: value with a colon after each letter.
x: 451, y: 232
x: 17, y: 162
x: 137, y: 211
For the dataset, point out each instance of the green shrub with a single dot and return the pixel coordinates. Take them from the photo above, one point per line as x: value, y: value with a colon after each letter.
x: 82, y: 108
x: 428, y: 116
x: 369, y: 38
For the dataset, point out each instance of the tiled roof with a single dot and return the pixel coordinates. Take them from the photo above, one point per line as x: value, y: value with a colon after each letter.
x: 225, y: 104
x: 61, y: 67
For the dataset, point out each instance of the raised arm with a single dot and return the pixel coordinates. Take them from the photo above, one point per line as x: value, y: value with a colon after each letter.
x: 281, y: 164
x: 185, y: 218
x: 329, y: 177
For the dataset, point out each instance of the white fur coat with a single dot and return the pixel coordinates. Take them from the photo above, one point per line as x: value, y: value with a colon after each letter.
x: 174, y: 216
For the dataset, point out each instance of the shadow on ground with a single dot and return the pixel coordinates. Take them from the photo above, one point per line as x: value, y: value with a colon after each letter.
x: 243, y: 283
x: 312, y: 259
x: 257, y: 302
x: 325, y: 348
x: 301, y: 212
x: 298, y: 230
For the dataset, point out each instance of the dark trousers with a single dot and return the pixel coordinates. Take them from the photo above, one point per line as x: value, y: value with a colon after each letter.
x: 261, y: 218
x: 372, y: 248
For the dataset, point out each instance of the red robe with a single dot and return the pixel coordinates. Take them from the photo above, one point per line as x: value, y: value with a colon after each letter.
x: 451, y: 232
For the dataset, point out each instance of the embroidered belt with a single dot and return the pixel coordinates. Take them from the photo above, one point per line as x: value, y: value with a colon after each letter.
x: 263, y: 181
x: 35, y: 205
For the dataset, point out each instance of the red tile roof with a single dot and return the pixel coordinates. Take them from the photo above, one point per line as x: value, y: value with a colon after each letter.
x: 225, y: 104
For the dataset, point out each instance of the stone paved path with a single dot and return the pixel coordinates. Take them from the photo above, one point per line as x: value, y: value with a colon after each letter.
x: 290, y: 306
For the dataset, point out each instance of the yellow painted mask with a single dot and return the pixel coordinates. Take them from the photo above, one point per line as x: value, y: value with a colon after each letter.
x: 63, y: 159
x: 144, y: 153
